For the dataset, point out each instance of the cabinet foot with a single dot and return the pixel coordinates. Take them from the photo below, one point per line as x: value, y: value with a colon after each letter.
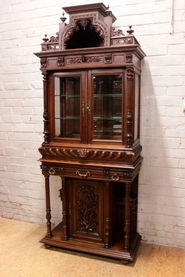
x: 125, y: 262
x: 47, y: 246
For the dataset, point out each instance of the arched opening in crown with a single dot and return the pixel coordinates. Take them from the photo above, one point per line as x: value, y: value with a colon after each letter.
x: 84, y: 35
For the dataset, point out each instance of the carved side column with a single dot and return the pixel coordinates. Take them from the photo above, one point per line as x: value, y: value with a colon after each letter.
x: 130, y: 107
x: 127, y: 217
x: 45, y: 113
x: 107, y: 192
x: 64, y: 209
x: 48, y: 208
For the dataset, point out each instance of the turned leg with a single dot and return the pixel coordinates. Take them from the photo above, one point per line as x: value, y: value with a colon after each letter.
x: 48, y: 209
x: 64, y: 209
x: 127, y: 217
x: 107, y: 214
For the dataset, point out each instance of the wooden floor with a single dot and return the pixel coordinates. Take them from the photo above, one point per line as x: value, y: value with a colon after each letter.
x: 21, y: 255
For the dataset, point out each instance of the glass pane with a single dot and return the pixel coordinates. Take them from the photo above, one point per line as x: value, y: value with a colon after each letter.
x: 67, y: 107
x: 107, y: 119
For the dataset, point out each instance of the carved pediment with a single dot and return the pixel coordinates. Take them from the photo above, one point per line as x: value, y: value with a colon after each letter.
x: 89, y: 26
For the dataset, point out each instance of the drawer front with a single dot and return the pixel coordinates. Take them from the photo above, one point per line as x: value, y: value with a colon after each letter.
x: 89, y: 172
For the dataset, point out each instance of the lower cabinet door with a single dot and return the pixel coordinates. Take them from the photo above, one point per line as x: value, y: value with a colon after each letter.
x: 86, y: 209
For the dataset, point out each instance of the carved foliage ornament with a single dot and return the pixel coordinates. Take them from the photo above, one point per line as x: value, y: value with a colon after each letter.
x: 87, y: 201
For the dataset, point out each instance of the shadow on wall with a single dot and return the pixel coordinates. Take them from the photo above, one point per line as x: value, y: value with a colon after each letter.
x: 156, y: 215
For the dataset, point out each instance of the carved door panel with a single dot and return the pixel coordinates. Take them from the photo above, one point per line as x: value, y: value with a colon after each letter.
x: 86, y: 210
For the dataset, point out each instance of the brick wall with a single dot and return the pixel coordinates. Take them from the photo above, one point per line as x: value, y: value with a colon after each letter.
x: 159, y: 27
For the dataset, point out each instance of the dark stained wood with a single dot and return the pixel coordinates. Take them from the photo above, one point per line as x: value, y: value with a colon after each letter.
x: 89, y: 142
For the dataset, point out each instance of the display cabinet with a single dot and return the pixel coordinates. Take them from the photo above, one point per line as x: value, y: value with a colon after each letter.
x: 91, y: 90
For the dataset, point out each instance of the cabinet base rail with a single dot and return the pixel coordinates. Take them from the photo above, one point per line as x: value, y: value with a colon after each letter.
x: 115, y: 251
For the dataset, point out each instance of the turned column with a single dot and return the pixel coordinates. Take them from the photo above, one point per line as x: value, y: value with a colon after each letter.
x: 45, y: 113
x: 127, y: 217
x: 130, y: 106
x: 48, y: 208
x: 64, y: 210
x: 107, y: 191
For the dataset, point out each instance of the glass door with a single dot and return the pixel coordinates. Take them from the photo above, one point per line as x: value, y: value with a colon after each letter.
x: 88, y: 106
x: 68, y: 115
x: 107, y: 105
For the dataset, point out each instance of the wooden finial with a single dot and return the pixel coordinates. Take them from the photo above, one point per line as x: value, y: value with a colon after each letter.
x: 45, y: 39
x: 63, y: 18
x: 130, y: 31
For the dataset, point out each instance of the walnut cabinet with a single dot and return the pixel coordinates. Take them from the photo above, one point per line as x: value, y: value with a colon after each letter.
x: 91, y: 91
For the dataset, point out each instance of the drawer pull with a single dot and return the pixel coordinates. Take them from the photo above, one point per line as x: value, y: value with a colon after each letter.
x: 82, y: 175
x: 115, y: 177
x: 51, y: 171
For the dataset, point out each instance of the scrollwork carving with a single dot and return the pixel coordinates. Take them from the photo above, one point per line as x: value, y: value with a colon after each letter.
x: 116, y: 33
x: 84, y: 59
x: 87, y: 200
x: 84, y: 22
x: 99, y: 30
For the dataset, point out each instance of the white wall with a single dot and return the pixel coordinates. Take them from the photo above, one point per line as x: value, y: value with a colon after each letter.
x: 160, y: 28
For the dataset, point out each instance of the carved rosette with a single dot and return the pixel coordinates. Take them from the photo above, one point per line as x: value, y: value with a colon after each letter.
x: 87, y: 205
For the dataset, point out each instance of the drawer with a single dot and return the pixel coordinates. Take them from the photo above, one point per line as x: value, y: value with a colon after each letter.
x: 89, y: 172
